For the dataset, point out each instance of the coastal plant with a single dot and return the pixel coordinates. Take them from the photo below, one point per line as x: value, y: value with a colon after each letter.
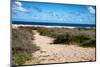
x: 22, y: 45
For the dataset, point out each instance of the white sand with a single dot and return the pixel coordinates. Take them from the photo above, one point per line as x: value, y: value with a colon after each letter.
x: 58, y: 53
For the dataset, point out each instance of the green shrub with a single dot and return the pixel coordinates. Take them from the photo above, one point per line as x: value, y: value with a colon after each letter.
x: 69, y: 38
x: 20, y: 58
x: 89, y: 43
x: 62, y: 38
x: 80, y: 38
x: 43, y: 32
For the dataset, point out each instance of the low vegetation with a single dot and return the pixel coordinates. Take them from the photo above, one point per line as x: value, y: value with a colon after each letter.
x: 82, y: 37
x: 22, y: 45
x: 89, y: 43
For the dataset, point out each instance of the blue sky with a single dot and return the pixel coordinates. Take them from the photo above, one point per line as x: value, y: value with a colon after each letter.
x: 53, y: 13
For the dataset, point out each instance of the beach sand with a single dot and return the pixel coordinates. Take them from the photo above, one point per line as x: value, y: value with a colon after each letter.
x: 58, y: 53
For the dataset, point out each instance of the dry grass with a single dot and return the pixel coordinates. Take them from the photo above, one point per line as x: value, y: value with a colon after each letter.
x: 22, y: 45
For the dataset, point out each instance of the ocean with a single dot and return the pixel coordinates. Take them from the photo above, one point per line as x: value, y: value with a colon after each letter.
x: 53, y: 24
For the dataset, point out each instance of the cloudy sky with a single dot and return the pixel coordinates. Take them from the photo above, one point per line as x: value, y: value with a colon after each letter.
x: 53, y: 13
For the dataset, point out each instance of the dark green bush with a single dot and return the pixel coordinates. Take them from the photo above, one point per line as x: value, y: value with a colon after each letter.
x: 62, y: 38
x: 89, y: 43
x: 69, y: 38
x: 80, y: 38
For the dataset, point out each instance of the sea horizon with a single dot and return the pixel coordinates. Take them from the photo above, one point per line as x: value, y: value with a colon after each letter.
x: 53, y: 24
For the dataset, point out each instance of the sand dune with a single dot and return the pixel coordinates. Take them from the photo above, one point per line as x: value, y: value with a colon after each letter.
x: 59, y: 53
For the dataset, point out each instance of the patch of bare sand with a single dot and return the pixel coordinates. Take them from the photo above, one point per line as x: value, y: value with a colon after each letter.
x: 59, y: 53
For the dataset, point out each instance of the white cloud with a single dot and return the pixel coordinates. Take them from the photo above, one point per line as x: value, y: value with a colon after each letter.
x: 91, y: 10
x: 19, y: 6
x: 18, y: 3
x: 21, y: 9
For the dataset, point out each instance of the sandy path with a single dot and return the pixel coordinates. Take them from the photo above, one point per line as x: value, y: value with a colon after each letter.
x: 57, y: 53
